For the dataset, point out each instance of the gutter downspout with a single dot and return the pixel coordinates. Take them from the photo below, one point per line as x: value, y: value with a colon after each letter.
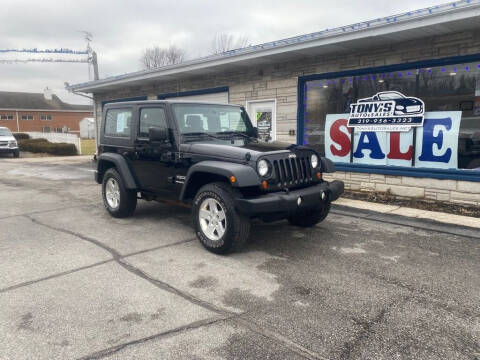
x: 18, y: 123
x: 95, y: 124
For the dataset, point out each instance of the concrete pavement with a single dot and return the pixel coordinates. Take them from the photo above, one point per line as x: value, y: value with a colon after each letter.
x: 77, y: 284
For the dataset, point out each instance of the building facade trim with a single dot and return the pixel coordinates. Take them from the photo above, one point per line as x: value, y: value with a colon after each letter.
x: 442, y: 174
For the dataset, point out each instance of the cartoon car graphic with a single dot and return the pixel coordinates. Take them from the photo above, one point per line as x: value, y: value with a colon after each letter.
x: 403, y: 105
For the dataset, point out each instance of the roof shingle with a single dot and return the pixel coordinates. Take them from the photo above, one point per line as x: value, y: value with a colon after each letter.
x: 36, y: 101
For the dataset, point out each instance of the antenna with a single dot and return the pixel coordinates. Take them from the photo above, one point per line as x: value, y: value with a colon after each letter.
x: 92, y: 55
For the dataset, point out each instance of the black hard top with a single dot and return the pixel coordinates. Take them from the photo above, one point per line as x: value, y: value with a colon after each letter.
x: 153, y: 102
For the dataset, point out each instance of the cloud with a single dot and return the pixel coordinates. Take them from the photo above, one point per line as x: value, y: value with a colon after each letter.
x: 122, y: 29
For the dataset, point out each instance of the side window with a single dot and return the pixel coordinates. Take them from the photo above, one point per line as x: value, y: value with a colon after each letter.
x: 118, y: 122
x: 151, y: 117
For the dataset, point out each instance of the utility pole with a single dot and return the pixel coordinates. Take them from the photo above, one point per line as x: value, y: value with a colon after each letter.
x: 95, y: 65
x: 92, y: 55
x: 92, y: 59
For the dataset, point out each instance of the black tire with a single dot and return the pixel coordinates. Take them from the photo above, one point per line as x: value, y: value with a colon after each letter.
x: 16, y: 153
x: 128, y: 198
x: 236, y: 227
x: 310, y: 218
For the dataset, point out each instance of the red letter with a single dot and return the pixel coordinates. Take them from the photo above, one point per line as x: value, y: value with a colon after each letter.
x: 340, y: 138
x: 395, y: 152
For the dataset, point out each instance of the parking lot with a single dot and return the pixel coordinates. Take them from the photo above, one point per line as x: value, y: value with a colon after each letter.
x: 78, y: 284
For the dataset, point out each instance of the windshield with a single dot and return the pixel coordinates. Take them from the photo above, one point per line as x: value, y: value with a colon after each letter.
x: 390, y: 96
x: 205, y: 118
x: 5, y: 132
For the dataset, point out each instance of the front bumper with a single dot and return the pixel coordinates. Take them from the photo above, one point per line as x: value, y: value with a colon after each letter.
x: 4, y: 150
x: 287, y: 202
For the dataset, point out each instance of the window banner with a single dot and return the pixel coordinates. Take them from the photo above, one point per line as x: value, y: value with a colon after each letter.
x: 436, y: 142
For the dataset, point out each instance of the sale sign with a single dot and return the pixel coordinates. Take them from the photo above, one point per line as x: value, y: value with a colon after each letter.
x: 436, y: 142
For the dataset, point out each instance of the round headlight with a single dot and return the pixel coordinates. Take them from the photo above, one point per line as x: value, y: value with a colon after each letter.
x: 314, y: 161
x: 262, y: 167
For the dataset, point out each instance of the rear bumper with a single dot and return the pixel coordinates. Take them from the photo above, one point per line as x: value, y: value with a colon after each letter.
x: 288, y: 203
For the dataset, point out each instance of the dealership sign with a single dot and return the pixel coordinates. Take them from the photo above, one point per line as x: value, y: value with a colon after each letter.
x: 436, y: 141
x: 387, y: 111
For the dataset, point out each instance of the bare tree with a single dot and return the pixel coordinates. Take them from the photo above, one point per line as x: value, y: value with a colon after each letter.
x: 224, y: 42
x: 156, y: 56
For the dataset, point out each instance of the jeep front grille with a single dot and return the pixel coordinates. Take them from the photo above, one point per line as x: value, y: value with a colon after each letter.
x: 292, y: 171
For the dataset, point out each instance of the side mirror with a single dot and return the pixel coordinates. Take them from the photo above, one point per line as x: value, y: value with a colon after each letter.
x: 255, y: 132
x: 157, y: 134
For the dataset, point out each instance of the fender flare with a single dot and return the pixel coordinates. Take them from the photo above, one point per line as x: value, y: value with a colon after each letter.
x: 121, y: 166
x: 327, y: 165
x: 245, y: 175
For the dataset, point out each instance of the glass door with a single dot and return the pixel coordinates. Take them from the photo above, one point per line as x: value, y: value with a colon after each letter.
x: 263, y: 116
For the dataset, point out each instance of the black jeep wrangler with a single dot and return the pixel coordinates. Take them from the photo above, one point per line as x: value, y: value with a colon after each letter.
x: 208, y: 155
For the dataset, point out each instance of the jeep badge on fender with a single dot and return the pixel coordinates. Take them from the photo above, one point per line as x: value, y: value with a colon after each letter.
x: 208, y: 155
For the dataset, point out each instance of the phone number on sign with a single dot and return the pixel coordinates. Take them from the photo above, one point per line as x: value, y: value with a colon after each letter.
x: 399, y: 120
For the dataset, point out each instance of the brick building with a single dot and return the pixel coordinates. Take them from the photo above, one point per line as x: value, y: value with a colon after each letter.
x: 40, y: 112
x: 304, y: 88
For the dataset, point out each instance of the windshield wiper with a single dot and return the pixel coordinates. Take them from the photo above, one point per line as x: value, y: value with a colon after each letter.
x: 235, y: 133
x: 199, y: 133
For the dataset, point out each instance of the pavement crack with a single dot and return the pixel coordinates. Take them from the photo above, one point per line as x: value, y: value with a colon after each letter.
x: 367, y: 328
x: 192, y: 326
x: 31, y: 282
x: 278, y: 338
x: 167, y: 287
x: 120, y: 260
x: 422, y: 295
x: 47, y: 211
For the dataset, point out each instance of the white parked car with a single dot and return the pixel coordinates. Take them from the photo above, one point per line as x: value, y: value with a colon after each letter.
x: 8, y: 144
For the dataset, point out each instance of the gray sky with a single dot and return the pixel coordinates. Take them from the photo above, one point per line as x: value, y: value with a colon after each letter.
x: 122, y: 29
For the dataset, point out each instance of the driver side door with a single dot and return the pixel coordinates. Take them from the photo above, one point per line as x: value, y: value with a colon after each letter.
x: 154, y: 160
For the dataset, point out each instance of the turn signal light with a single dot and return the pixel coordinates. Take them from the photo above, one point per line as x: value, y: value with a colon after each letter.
x: 264, y: 185
x: 319, y: 175
x: 233, y: 179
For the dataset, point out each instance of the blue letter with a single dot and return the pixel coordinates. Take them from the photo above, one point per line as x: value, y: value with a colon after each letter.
x: 429, y: 140
x: 372, y: 145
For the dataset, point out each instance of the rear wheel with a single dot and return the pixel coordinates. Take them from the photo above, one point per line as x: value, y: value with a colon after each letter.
x: 311, y: 217
x: 218, y: 226
x: 119, y: 201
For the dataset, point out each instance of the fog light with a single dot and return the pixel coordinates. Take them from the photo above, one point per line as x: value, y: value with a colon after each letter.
x: 299, y: 201
x: 322, y: 195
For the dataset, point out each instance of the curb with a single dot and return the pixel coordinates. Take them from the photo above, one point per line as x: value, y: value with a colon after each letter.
x: 441, y: 217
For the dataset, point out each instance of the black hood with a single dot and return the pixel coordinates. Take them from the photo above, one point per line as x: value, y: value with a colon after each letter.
x: 237, y: 152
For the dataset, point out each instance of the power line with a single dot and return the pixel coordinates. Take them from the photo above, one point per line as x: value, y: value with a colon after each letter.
x: 42, y: 60
x: 46, y: 51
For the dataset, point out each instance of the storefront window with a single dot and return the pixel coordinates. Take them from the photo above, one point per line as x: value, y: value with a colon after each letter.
x: 448, y: 139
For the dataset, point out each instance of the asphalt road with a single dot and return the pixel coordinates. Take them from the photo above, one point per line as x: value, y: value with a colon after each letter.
x: 78, y: 284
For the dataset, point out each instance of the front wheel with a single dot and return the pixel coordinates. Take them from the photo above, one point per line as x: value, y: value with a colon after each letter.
x: 218, y: 226
x: 118, y: 200
x: 16, y: 153
x: 310, y: 218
